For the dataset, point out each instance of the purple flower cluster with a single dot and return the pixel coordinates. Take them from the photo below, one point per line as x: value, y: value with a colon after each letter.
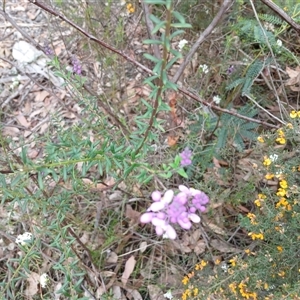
x: 48, y: 50
x: 186, y: 157
x: 177, y: 209
x: 230, y: 70
x: 76, y: 65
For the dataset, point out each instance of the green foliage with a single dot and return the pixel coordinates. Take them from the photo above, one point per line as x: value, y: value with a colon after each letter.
x: 271, y: 19
x: 234, y: 130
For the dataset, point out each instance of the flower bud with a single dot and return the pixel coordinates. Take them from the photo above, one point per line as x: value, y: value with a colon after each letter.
x: 194, y: 218
x: 170, y: 232
x: 156, y: 196
x: 168, y: 196
x: 146, y: 217
x: 156, y: 206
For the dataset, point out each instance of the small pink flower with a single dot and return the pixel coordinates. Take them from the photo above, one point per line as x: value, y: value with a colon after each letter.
x: 170, y: 233
x: 157, y: 206
x: 194, y: 218
x: 156, y: 196
x: 168, y: 196
x: 146, y: 217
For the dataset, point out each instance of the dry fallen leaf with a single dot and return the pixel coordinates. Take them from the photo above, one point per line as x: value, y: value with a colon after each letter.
x: 155, y: 292
x: 132, y: 215
x: 294, y: 80
x: 33, y: 280
x: 22, y: 120
x: 223, y: 247
x: 129, y: 267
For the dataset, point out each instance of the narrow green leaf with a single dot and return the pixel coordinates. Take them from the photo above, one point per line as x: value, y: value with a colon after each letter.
x: 171, y: 85
x: 182, y: 173
x: 171, y: 63
x: 151, y: 57
x: 155, y: 19
x: 178, y: 16
x: 158, y: 26
x: 148, y: 42
x: 157, y: 68
x: 158, y: 2
x: 177, y: 32
x: 180, y: 25
x: 40, y: 180
x: 164, y: 77
x: 168, y: 4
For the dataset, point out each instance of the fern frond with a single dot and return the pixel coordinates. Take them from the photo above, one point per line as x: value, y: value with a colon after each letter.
x: 270, y: 19
x: 253, y: 71
x: 235, y: 83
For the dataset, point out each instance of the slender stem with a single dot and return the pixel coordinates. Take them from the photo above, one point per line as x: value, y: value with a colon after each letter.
x: 160, y: 79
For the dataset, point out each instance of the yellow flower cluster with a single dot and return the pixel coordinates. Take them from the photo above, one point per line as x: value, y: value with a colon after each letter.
x: 281, y: 137
x: 256, y: 236
x: 201, y: 265
x: 245, y: 293
x: 260, y: 199
x: 252, y: 218
x: 130, y: 8
x: 192, y: 292
x: 295, y: 114
x: 282, y: 192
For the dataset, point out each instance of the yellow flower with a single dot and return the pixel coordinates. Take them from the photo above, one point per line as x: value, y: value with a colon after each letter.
x: 293, y: 114
x: 267, y: 161
x: 257, y: 203
x: 289, y: 125
x: 232, y: 286
x: 185, y: 280
x: 252, y: 218
x: 281, y: 192
x: 282, y: 202
x: 195, y: 291
x: 233, y: 261
x: 283, y: 184
x: 281, y: 274
x: 130, y: 8
x: 256, y: 236
x: 280, y: 132
x: 261, y: 139
x: 281, y: 140
x: 279, y: 248
x: 269, y: 176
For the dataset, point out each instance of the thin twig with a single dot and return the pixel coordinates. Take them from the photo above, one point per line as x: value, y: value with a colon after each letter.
x: 144, y: 68
x: 224, y: 7
x: 280, y: 12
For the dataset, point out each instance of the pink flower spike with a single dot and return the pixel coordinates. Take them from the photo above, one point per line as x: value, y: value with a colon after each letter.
x: 168, y: 196
x: 194, y: 218
x: 170, y: 233
x: 156, y: 196
x: 146, y: 218
x: 157, y: 206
